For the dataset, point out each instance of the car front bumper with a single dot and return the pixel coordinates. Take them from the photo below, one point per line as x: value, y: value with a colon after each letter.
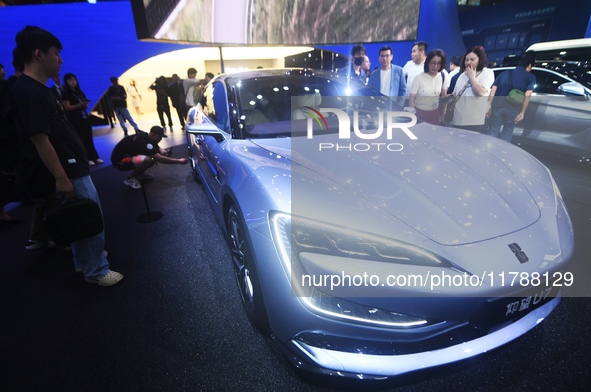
x: 371, y: 366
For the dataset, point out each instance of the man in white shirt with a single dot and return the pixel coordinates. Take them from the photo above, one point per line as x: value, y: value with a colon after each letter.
x: 190, y: 85
x: 416, y: 65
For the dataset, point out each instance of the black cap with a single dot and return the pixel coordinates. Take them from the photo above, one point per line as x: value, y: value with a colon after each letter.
x: 158, y: 131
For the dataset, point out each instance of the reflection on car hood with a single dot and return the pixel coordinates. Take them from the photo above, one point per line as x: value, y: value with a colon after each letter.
x: 452, y: 186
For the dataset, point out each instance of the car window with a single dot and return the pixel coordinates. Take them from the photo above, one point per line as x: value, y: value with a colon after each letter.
x: 215, y: 105
x: 266, y: 102
x: 548, y: 82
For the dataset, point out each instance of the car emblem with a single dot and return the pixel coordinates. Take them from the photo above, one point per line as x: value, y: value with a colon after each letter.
x: 520, y: 254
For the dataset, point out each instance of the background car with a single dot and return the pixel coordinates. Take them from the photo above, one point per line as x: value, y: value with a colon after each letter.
x: 390, y: 218
x: 558, y: 117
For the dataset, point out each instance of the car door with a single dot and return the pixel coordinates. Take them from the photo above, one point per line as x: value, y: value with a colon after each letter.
x: 554, y: 120
x: 213, y: 148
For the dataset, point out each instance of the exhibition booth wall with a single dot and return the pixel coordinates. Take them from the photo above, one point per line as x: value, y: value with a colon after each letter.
x: 100, y: 39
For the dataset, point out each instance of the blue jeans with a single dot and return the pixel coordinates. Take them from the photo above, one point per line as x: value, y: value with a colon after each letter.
x: 88, y: 253
x: 503, y: 116
x: 122, y: 115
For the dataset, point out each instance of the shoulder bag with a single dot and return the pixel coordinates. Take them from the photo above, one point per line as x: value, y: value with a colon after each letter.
x: 73, y: 220
x: 515, y: 96
x: 450, y: 104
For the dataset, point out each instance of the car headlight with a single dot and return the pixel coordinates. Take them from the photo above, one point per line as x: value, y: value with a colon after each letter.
x: 557, y: 194
x: 295, y: 236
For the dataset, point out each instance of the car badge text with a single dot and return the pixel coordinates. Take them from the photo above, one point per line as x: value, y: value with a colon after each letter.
x: 520, y: 254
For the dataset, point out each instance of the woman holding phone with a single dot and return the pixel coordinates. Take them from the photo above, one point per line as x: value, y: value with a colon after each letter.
x: 75, y: 104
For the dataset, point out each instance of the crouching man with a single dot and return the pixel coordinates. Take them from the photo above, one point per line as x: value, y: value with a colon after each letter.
x: 140, y: 152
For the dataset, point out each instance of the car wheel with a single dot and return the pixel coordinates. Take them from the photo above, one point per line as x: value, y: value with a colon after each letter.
x: 246, y: 273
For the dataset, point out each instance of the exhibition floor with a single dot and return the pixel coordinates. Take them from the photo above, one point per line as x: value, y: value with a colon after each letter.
x: 176, y: 322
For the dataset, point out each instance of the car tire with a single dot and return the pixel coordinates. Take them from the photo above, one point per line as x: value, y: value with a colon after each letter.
x: 246, y: 272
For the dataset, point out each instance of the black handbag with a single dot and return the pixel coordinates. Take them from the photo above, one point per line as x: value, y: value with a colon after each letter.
x: 73, y: 220
x: 450, y: 105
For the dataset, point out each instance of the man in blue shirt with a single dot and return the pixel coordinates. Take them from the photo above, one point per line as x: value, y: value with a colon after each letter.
x: 389, y: 79
x: 502, y: 112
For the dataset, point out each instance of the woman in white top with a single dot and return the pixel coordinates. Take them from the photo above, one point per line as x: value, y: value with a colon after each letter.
x: 427, y: 87
x: 135, y: 96
x: 474, y: 87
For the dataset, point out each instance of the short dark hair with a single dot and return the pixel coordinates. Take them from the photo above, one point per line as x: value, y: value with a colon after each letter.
x: 32, y: 38
x: 358, y: 48
x: 386, y: 47
x: 191, y: 71
x: 434, y: 53
x: 479, y: 51
x: 209, y: 75
x: 526, y: 59
x: 422, y: 45
x: 456, y: 60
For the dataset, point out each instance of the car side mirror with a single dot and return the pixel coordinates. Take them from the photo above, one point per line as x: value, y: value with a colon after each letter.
x: 206, y: 129
x: 572, y: 88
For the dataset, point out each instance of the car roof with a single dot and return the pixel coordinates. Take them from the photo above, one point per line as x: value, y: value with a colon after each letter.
x: 278, y: 72
x: 561, y: 45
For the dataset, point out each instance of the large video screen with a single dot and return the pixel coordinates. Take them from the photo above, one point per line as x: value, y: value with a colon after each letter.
x: 277, y: 22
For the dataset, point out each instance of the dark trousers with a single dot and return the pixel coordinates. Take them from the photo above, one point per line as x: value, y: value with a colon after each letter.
x: 161, y: 109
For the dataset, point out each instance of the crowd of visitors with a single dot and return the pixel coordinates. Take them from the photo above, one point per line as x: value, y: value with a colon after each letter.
x: 47, y: 136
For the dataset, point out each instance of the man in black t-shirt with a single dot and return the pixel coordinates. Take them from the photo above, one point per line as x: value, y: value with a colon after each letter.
x: 53, y: 163
x: 177, y: 96
x: 118, y: 97
x: 140, y: 152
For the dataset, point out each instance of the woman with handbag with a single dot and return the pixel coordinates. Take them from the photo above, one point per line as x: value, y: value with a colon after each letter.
x: 513, y: 90
x: 428, y: 87
x: 471, y: 91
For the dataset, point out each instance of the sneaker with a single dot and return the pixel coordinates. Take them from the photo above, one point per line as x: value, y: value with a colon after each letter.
x: 110, y: 279
x: 98, y: 161
x: 90, y: 163
x: 133, y: 182
x: 36, y: 245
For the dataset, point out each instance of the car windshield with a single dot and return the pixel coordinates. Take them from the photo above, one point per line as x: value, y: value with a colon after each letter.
x: 268, y: 110
x: 580, y: 74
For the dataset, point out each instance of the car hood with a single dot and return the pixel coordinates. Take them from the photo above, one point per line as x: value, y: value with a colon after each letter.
x: 453, y: 187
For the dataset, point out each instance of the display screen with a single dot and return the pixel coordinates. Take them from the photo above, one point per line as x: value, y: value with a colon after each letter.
x: 277, y: 22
